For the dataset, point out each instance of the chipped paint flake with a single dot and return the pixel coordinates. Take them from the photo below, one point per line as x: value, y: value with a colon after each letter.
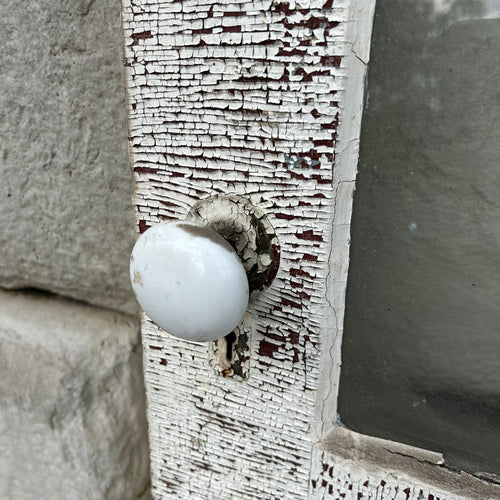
x: 137, y: 278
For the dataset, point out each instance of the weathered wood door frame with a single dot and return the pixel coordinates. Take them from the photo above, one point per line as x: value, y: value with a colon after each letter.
x: 263, y: 99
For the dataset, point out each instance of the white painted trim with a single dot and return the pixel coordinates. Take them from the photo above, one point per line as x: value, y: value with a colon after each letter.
x: 355, y: 61
x: 393, y: 470
x: 196, y: 128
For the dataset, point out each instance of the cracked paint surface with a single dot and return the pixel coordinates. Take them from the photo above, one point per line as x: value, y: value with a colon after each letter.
x: 349, y: 465
x: 248, y: 98
x: 262, y: 99
x: 335, y: 480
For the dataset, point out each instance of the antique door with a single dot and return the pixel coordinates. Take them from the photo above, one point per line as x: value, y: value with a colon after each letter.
x: 262, y: 99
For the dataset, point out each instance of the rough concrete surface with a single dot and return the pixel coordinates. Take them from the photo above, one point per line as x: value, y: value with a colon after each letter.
x: 67, y: 221
x: 72, y: 423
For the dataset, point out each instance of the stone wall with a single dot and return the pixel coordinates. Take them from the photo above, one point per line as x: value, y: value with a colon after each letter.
x: 67, y: 223
x: 72, y: 419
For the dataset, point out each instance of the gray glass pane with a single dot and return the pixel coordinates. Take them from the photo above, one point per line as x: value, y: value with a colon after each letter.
x: 421, y: 349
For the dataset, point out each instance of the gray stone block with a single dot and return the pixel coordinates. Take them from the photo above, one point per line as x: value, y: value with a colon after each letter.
x: 65, y: 195
x: 72, y: 410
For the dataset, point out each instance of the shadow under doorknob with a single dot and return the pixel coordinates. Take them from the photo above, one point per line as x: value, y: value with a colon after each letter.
x: 194, y: 277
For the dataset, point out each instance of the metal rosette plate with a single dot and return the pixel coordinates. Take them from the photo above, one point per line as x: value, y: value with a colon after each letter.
x: 249, y: 231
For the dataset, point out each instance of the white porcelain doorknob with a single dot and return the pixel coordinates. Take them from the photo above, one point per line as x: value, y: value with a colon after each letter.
x: 189, y: 280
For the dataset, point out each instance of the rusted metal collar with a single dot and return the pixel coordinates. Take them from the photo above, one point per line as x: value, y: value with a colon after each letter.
x: 247, y: 228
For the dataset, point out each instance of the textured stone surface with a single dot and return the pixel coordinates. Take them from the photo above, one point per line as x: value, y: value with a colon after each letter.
x: 72, y: 421
x: 65, y: 191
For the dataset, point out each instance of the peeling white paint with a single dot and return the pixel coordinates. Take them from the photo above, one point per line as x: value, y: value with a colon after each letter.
x: 264, y: 100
